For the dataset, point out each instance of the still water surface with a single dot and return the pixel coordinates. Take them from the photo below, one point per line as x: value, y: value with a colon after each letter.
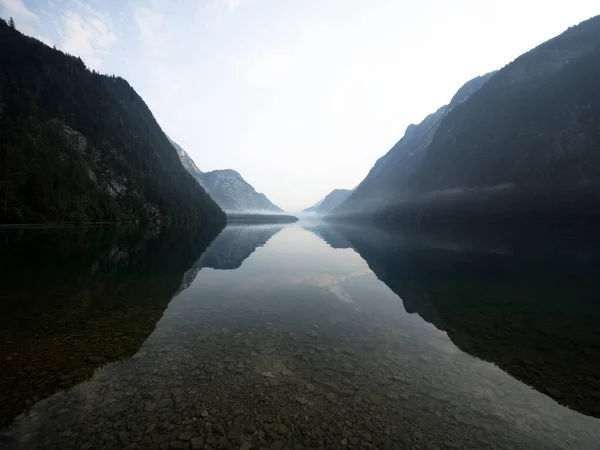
x: 300, y: 336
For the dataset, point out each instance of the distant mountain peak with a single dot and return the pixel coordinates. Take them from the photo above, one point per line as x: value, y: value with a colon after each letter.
x: 330, y: 201
x: 227, y: 187
x: 230, y: 172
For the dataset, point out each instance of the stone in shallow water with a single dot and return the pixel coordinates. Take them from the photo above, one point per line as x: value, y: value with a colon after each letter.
x: 177, y: 391
x: 302, y: 400
x: 218, y: 428
x: 224, y: 444
x: 392, y: 395
x: 330, y: 396
x: 123, y: 437
x: 185, y: 436
x: 150, y: 406
x: 375, y: 399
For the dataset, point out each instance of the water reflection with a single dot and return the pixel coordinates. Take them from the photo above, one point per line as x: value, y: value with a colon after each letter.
x: 231, y: 248
x: 72, y: 300
x: 300, y: 346
x: 328, y: 233
x: 522, y: 296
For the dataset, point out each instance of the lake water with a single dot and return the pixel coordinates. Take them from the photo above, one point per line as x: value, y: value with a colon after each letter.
x: 300, y: 336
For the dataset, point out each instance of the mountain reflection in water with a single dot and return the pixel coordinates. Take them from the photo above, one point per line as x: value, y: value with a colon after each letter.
x: 523, y: 296
x: 274, y: 339
x: 72, y: 300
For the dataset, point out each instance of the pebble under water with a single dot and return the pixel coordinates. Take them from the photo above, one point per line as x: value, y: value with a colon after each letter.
x: 295, y: 337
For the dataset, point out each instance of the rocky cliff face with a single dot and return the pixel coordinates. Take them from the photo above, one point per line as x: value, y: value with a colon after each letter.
x: 227, y: 187
x: 233, y: 193
x: 330, y: 201
x: 522, y: 142
x: 188, y: 163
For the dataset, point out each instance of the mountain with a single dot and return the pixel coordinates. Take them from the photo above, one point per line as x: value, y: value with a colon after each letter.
x: 524, y: 142
x: 389, y: 176
x: 330, y: 201
x: 80, y: 146
x: 227, y: 187
x: 188, y: 163
x: 233, y: 193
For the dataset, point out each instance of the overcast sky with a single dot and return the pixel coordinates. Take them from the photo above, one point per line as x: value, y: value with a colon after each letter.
x: 299, y: 96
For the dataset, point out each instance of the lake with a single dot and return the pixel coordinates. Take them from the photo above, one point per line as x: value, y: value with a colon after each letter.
x: 300, y: 336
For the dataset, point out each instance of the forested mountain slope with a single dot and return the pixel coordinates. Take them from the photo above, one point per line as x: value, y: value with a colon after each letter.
x: 79, y: 146
x: 536, y: 123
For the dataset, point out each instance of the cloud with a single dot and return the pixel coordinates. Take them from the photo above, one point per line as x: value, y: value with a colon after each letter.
x: 26, y: 21
x: 88, y: 36
x: 151, y: 27
x: 81, y: 30
x: 232, y: 4
x: 17, y: 10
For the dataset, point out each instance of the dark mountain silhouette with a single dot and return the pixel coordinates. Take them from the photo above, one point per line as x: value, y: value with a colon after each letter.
x: 525, y: 143
x: 330, y: 201
x: 77, y: 146
x: 391, y: 173
x: 522, y: 296
x: 73, y: 300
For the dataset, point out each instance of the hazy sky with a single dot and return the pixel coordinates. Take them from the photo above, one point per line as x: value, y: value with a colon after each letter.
x: 299, y: 96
